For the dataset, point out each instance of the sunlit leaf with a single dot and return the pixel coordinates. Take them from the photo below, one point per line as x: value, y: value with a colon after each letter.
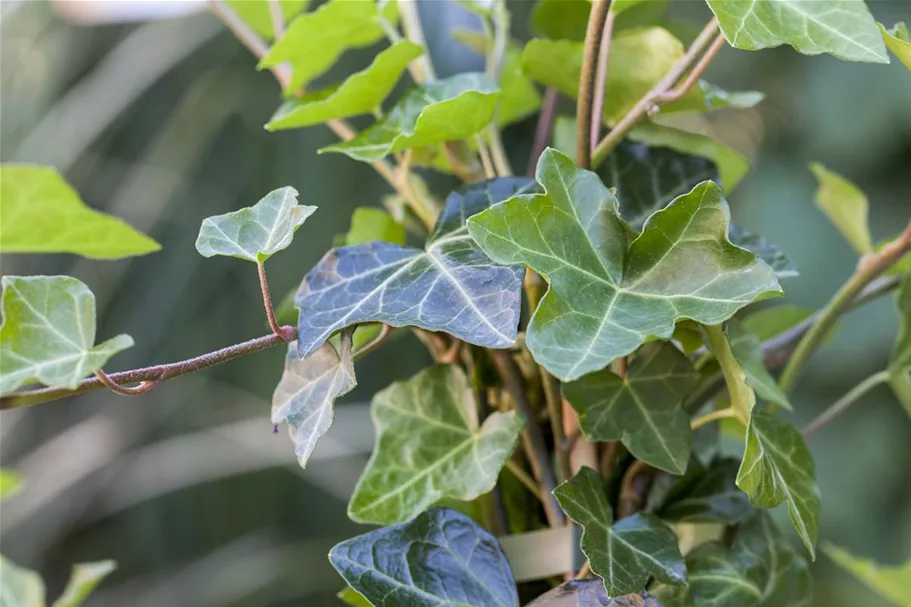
x: 443, y: 110
x: 441, y: 558
x: 257, y: 15
x: 374, y: 225
x: 43, y: 214
x: 430, y: 445
x: 19, y: 587
x: 843, y: 28
x: 891, y: 583
x: 624, y: 554
x: 350, y: 596
x: 360, y: 93
x: 450, y: 286
x: 606, y: 296
x: 777, y: 467
x: 83, y: 580
x: 898, y: 39
x: 746, y: 347
x: 642, y: 411
x: 48, y: 333
x: 846, y: 207
x: 254, y: 233
x: 10, y: 483
x: 590, y: 593
x: 706, y: 495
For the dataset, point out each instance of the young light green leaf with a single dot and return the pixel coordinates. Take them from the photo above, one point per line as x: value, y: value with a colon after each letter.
x: 746, y: 348
x: 590, y: 593
x: 561, y: 19
x: 843, y: 28
x: 642, y: 411
x: 449, y: 286
x: 20, y: 586
x: 443, y: 110
x: 374, y: 225
x: 10, y: 483
x: 43, y: 214
x: 891, y: 583
x: 845, y: 206
x: 607, y: 297
x: 777, y: 467
x: 254, y: 233
x: 314, y: 41
x: 707, y: 495
x: 48, y: 333
x: 429, y: 446
x: 350, y: 596
x: 255, y: 13
x: 898, y: 39
x: 360, y: 93
x: 624, y: 554
x: 83, y: 580
x: 307, y: 391
x: 441, y: 558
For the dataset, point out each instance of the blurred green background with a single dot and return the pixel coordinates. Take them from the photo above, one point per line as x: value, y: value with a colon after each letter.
x: 160, y: 123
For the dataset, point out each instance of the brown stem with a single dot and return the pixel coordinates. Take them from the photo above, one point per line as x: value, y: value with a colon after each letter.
x: 634, y: 487
x: 601, y: 84
x: 142, y: 388
x: 267, y: 303
x: 543, y: 129
x: 554, y: 401
x: 588, y: 79
x: 682, y: 89
x: 621, y: 366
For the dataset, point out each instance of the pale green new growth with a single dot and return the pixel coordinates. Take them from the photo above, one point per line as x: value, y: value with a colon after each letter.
x: 372, y: 225
x: 845, y: 206
x: 898, y: 39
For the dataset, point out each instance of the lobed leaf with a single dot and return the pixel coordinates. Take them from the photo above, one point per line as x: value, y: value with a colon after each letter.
x: 256, y: 13
x: 898, y: 39
x: 747, y: 350
x: 845, y: 206
x: 48, y: 333
x: 590, y: 593
x: 891, y: 583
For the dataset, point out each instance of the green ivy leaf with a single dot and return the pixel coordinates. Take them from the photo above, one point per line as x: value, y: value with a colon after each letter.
x: 624, y: 554
x: 10, y: 483
x: 715, y: 97
x: 642, y: 411
x: 350, y: 596
x: 898, y: 39
x: 590, y: 593
x: 440, y: 558
x: 443, y: 110
x: 843, y: 28
x: 706, y: 495
x: 747, y: 350
x: 254, y: 233
x: 83, y: 580
x: 900, y: 360
x: 780, y: 263
x: 429, y: 446
x: 891, y: 583
x: 772, y: 322
x: 845, y: 206
x: 48, y: 333
x: 449, y: 286
x: 606, y: 297
x: 20, y: 586
x: 374, y: 225
x: 43, y: 214
x: 777, y: 467
x: 256, y: 13
x: 360, y: 93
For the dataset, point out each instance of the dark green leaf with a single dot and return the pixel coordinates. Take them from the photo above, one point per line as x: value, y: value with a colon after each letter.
x: 624, y: 554
x: 374, y: 225
x: 706, y: 495
x: 891, y: 583
x: 642, y: 411
x: 83, y: 580
x: 768, y: 252
x: 846, y: 207
x: 256, y: 13
x: 440, y: 559
x: 590, y: 593
x: 898, y: 39
x: 450, y: 286
x: 607, y: 297
x: 747, y: 350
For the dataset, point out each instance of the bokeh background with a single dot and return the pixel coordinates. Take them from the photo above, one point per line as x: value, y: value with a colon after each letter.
x: 160, y: 122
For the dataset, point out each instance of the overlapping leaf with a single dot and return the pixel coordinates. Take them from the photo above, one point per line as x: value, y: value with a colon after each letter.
x: 441, y: 558
x: 48, y: 333
x: 706, y: 495
x: 20, y: 587
x: 590, y: 593
x: 624, y: 554
x: 607, y: 297
x: 747, y: 351
x: 777, y: 467
x: 891, y: 583
x: 256, y: 13
x: 642, y: 411
x: 373, y: 225
x: 83, y: 580
x: 898, y: 39
x: 43, y: 214
x: 845, y: 206
x: 843, y: 28
x: 773, y: 321
x: 450, y: 286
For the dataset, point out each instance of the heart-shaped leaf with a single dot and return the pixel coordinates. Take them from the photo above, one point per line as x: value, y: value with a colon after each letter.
x: 777, y: 467
x: 706, y: 495
x: 643, y: 411
x: 747, y: 350
x: 450, y: 286
x: 891, y: 583
x: 48, y: 333
x: 590, y: 593
x: 444, y: 110
x: 43, y: 214
x: 845, y: 206
x: 624, y: 554
x: 430, y: 446
x: 898, y: 39
x: 843, y: 28
x: 254, y: 233
x: 607, y: 297
x: 256, y: 13
x: 441, y: 558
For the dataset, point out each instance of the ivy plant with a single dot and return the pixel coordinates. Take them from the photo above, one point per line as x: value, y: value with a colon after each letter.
x: 591, y: 322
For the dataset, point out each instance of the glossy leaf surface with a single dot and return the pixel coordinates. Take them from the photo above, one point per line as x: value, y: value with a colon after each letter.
x: 845, y: 206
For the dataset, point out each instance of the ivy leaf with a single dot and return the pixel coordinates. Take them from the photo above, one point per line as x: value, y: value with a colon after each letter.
x: 372, y: 225
x: 360, y: 93
x: 780, y: 263
x: 898, y: 39
x: 642, y: 411
x: 449, y: 286
x: 307, y: 391
x: 901, y: 353
x: 443, y: 110
x: 707, y: 495
x: 83, y: 580
x: 590, y: 593
x: 777, y: 467
x: 845, y: 206
x: 256, y: 13
x: 254, y: 233
x: 48, y: 333
x: 843, y: 28
x: 20, y: 586
x: 747, y: 350
x: 350, y: 596
x: 440, y: 558
x: 314, y: 41
x: 891, y: 583
x: 10, y: 483
x: 606, y: 297
x: 430, y: 446
x: 43, y: 214
x: 626, y: 554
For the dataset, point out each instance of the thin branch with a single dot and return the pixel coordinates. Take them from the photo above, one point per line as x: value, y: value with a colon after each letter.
x: 683, y: 89
x: 585, y: 570
x: 267, y: 303
x: 554, y: 401
x: 588, y: 79
x: 385, y: 332
x: 845, y: 401
x: 543, y: 129
x: 601, y: 83
x: 113, y: 386
x: 500, y: 22
x: 411, y: 22
x: 633, y: 488
x: 486, y: 162
x: 278, y: 19
x: 527, y: 481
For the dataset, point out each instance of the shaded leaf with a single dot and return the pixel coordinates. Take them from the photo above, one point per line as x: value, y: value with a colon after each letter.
x: 83, y: 580
x: 772, y: 322
x: 590, y: 593
x: 256, y: 13
x: 624, y: 554
x: 845, y: 206
x: 747, y: 350
x: 715, y: 97
x: 607, y: 297
x: 777, y: 467
x: 10, y: 483
x: 48, y: 333
x: 843, y: 28
x: 642, y: 411
x: 898, y: 39
x: 43, y: 214
x: 768, y: 252
x: 561, y: 19
x: 441, y: 558
x: 350, y: 596
x: 901, y: 354
x: 706, y: 495
x: 20, y: 586
x: 374, y: 225
x: 450, y: 286
x: 891, y: 583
